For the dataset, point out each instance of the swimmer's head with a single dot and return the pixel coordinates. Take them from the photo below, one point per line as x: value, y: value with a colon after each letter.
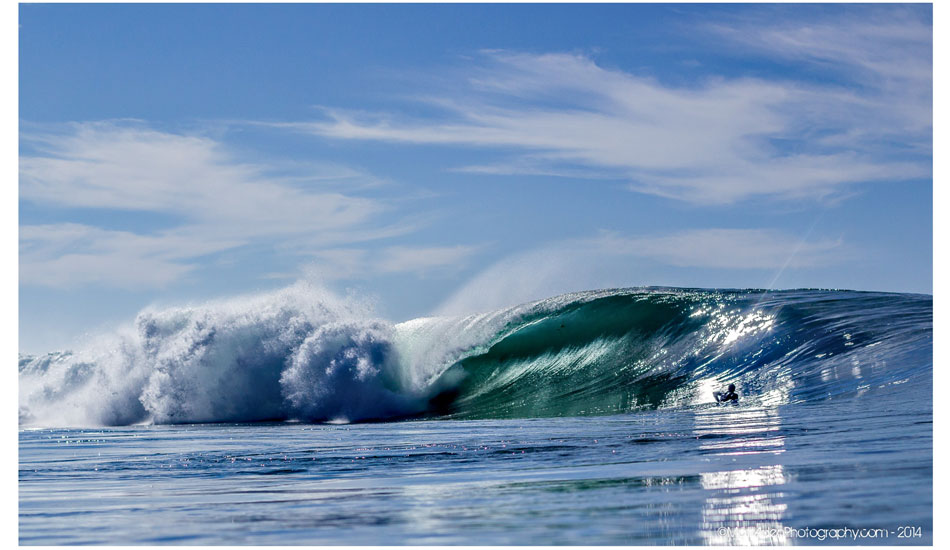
x: 732, y: 387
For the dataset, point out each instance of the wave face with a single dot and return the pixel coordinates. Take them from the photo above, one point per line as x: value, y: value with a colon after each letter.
x: 305, y: 354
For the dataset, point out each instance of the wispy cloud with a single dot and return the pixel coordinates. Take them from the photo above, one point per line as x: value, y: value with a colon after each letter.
x: 582, y: 264
x: 720, y: 140
x: 216, y: 202
x: 72, y: 255
x: 890, y: 46
x: 104, y: 165
x: 886, y: 56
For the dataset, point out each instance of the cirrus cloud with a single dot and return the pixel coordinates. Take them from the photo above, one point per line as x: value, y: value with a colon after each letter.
x: 215, y: 201
x: 720, y: 140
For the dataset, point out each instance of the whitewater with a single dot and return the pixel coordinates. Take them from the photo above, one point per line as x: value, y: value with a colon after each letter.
x: 301, y: 417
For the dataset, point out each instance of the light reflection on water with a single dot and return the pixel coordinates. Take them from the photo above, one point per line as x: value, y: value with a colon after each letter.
x: 718, y: 475
x: 742, y: 504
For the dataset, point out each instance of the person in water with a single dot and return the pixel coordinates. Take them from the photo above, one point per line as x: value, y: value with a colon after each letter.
x: 727, y: 396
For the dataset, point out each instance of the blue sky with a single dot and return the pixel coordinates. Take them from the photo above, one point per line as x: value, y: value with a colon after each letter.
x: 454, y: 158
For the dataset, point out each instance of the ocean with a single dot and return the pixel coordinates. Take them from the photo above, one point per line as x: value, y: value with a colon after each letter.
x: 297, y: 417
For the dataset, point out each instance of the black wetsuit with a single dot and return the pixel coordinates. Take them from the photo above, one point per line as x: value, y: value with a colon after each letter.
x: 729, y: 396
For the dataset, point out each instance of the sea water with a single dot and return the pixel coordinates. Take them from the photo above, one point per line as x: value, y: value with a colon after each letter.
x: 583, y: 419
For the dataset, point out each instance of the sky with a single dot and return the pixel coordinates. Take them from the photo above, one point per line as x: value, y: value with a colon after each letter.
x: 446, y: 159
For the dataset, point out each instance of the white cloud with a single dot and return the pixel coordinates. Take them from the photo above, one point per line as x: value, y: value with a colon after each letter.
x: 886, y: 55
x: 887, y: 47
x: 215, y: 201
x: 103, y: 165
x: 70, y: 255
x: 718, y: 141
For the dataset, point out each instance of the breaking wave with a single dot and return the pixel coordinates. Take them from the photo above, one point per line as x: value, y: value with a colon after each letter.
x: 305, y: 354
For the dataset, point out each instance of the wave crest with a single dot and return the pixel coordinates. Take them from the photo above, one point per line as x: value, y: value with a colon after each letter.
x: 305, y: 354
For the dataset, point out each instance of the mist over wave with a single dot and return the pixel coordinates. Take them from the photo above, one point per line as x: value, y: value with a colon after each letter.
x: 303, y: 353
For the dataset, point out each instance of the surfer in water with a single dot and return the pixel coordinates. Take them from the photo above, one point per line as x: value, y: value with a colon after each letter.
x: 727, y: 396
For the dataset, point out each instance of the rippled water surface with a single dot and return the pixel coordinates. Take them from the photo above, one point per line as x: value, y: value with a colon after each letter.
x: 788, y: 474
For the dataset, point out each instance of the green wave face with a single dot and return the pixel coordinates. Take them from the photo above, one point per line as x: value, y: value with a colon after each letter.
x: 657, y: 349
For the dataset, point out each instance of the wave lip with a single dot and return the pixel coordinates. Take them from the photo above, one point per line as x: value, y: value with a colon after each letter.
x: 305, y: 354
